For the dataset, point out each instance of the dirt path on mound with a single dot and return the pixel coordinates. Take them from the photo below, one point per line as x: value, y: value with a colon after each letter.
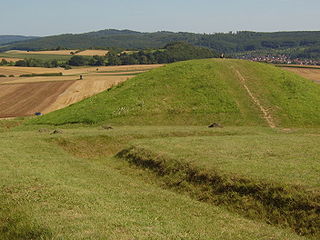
x: 26, y: 99
x: 266, y: 115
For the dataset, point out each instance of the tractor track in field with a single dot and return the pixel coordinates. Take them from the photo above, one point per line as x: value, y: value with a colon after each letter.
x: 266, y: 114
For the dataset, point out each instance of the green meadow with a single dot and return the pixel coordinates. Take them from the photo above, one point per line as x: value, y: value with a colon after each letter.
x: 139, y: 162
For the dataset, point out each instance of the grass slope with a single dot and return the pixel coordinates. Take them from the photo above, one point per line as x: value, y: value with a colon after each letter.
x: 200, y: 92
x: 50, y: 193
x: 256, y: 174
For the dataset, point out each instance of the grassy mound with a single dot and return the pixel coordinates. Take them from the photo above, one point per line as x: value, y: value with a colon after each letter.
x: 200, y: 92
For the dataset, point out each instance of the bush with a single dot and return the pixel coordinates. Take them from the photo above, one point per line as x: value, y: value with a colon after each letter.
x: 1, y: 75
x: 41, y: 75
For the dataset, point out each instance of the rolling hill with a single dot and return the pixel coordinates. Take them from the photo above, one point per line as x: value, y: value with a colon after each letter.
x: 199, y: 92
x: 7, y: 39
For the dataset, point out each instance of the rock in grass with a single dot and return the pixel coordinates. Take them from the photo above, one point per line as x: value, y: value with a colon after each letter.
x: 107, y: 127
x: 215, y: 125
x: 56, y: 132
x: 43, y: 130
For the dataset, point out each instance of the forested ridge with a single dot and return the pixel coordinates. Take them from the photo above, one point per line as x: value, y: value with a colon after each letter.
x: 305, y: 43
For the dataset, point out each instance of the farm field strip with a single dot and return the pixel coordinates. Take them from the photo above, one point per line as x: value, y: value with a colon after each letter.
x: 308, y: 73
x: 87, y: 78
x: 57, y: 52
x: 92, y: 53
x: 26, y: 99
x: 80, y: 90
x: 12, y: 70
x: 10, y: 59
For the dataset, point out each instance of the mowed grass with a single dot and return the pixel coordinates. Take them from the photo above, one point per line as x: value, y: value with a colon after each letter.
x: 267, y: 175
x: 200, y: 92
x: 50, y: 192
x: 286, y: 158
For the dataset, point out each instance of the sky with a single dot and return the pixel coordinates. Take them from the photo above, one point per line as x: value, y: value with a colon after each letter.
x: 43, y: 17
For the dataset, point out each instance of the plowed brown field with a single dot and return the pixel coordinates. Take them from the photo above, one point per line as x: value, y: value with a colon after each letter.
x: 309, y: 73
x: 26, y: 99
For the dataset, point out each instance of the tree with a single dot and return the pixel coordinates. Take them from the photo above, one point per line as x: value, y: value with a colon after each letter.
x: 78, y: 61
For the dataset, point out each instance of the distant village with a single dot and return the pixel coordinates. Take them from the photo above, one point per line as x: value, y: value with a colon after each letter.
x: 280, y: 59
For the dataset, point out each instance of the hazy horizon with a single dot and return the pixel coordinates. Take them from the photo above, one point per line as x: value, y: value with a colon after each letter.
x: 44, y: 18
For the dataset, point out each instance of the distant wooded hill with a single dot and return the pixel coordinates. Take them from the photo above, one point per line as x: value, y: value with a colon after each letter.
x: 306, y: 44
x: 7, y: 39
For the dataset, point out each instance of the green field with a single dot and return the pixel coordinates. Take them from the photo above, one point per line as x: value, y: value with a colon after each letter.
x: 139, y: 161
x: 44, y: 57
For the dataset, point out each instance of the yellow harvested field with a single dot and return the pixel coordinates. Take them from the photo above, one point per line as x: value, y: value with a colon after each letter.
x: 311, y: 73
x: 12, y: 70
x: 87, y: 78
x: 16, y: 71
x: 56, y: 52
x: 118, y: 73
x: 62, y: 52
x: 10, y: 59
x: 93, y: 53
x: 80, y: 90
x: 130, y: 67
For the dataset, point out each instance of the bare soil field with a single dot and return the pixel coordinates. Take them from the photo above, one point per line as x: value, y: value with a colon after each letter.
x: 309, y: 73
x: 26, y: 99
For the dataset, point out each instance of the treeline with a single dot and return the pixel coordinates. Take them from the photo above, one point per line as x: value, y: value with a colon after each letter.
x: 228, y: 43
x: 173, y: 52
x: 30, y: 62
